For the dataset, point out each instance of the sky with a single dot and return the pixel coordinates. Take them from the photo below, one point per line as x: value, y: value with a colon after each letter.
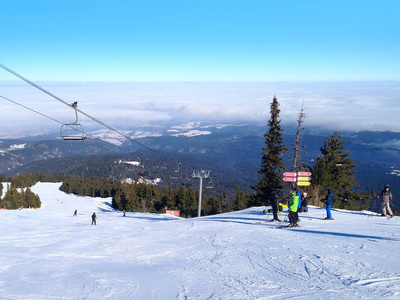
x: 207, y: 40
x: 135, y: 63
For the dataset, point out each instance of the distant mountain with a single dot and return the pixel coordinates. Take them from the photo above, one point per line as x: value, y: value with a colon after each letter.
x: 232, y: 153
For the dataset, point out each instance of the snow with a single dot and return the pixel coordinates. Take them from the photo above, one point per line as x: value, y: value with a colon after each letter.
x: 49, y: 254
x: 13, y: 148
x: 192, y: 133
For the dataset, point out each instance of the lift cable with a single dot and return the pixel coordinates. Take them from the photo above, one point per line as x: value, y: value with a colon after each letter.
x: 37, y: 112
x: 70, y: 105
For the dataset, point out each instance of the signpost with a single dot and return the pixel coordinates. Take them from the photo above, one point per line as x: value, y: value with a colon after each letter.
x: 290, y: 179
x: 304, y: 174
x: 301, y: 178
x: 303, y: 183
x: 290, y: 174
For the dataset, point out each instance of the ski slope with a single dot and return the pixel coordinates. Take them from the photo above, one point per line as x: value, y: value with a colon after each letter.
x: 49, y: 254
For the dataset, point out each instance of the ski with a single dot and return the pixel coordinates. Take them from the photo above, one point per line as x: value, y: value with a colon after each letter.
x: 287, y: 226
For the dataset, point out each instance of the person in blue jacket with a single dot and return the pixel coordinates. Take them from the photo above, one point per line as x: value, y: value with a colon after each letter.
x: 297, y: 213
x: 328, y: 201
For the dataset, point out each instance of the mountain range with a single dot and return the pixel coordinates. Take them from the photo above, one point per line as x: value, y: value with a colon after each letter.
x: 230, y: 151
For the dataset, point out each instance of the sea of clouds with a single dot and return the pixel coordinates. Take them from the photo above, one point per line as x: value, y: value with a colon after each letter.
x: 328, y: 105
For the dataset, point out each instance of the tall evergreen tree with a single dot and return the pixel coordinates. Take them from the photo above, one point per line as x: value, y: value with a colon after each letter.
x: 335, y: 169
x: 272, y: 164
x: 241, y: 200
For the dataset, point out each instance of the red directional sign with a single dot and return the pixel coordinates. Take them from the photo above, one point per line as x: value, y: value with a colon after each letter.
x: 292, y: 179
x: 290, y: 174
x: 304, y: 173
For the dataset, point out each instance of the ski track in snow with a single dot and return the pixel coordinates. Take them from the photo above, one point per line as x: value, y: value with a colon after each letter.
x: 49, y: 254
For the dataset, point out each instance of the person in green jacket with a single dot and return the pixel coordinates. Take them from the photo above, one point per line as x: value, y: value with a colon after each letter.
x: 293, y: 207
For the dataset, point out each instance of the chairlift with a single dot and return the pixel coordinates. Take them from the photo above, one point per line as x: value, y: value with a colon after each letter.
x: 73, y: 131
x: 209, y: 184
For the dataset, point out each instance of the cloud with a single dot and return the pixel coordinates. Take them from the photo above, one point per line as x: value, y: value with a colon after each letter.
x: 336, y: 105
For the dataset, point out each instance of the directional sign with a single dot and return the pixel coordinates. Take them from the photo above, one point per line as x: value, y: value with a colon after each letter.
x: 290, y: 174
x: 291, y: 179
x: 303, y: 173
x: 303, y: 183
x: 303, y: 178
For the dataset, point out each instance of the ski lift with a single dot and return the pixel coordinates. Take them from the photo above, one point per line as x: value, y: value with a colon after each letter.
x: 209, y: 184
x: 73, y: 131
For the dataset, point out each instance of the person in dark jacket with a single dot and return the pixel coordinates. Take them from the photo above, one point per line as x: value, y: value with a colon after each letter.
x: 386, y: 198
x: 275, y: 206
x: 304, y: 203
x: 94, y: 217
x: 328, y: 201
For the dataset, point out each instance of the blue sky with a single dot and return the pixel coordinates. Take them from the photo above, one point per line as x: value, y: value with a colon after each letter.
x: 207, y: 40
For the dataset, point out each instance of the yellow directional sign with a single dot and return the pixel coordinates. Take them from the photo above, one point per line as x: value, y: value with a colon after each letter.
x: 303, y: 183
x: 303, y: 178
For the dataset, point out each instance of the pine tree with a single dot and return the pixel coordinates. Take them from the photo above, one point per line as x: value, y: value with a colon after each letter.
x: 335, y: 169
x: 272, y: 164
x: 241, y: 200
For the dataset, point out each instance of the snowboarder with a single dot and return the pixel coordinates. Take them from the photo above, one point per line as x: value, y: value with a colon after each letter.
x: 275, y: 206
x: 124, y: 211
x: 94, y: 217
x: 386, y: 198
x: 328, y: 201
x: 75, y: 213
x: 293, y: 207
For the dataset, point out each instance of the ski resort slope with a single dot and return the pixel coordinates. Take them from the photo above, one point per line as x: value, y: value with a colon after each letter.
x: 49, y: 254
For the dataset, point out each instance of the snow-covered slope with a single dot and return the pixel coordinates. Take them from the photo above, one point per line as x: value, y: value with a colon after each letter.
x: 49, y: 254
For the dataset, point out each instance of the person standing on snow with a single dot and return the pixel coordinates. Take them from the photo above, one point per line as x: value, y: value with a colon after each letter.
x: 299, y: 205
x: 328, y: 201
x: 304, y: 203
x: 275, y: 206
x: 293, y: 207
x: 94, y: 217
x: 386, y: 198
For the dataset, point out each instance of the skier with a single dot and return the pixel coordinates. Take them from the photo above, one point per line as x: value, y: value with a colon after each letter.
x: 386, y: 198
x: 299, y: 205
x: 124, y: 211
x: 75, y: 213
x: 275, y: 206
x: 304, y: 203
x: 94, y: 219
x: 293, y: 207
x: 328, y: 201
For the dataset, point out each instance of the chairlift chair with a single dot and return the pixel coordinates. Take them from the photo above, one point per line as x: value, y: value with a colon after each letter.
x: 73, y: 131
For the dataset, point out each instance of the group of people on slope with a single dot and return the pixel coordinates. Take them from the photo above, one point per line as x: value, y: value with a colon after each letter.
x: 299, y: 201
x: 94, y: 217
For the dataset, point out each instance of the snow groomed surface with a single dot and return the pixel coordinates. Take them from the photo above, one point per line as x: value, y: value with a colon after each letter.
x: 49, y: 254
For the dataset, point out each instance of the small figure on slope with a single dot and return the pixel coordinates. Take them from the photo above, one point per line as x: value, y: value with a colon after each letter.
x: 293, y: 207
x: 275, y: 206
x: 124, y: 211
x: 94, y: 217
x: 75, y: 212
x: 386, y: 198
x: 328, y: 201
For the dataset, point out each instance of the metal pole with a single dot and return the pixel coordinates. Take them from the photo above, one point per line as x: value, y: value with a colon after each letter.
x: 200, y: 192
x: 200, y: 174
